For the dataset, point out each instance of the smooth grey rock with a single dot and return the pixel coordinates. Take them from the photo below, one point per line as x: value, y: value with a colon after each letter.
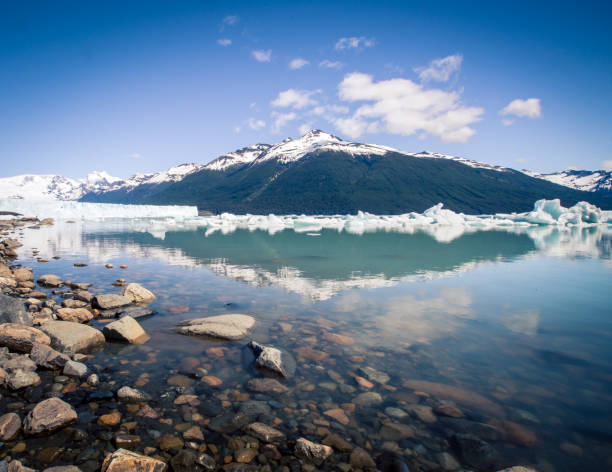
x: 137, y: 293
x: 229, y: 327
x: 48, y: 416
x: 374, y: 375
x: 50, y: 280
x: 75, y: 369
x: 110, y: 301
x: 70, y: 338
x: 13, y: 310
x: 126, y: 329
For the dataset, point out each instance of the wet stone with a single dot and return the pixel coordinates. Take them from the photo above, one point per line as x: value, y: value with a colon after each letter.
x: 337, y: 442
x: 266, y: 385
x: 128, y: 441
x: 229, y: 423
x: 360, y: 459
x: 245, y: 455
x: 49, y: 416
x: 122, y: 461
x: 169, y: 442
x: 130, y: 394
x: 264, y: 432
x: 312, y: 452
x: 10, y: 424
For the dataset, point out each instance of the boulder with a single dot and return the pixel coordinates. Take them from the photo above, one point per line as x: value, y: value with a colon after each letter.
x: 47, y: 357
x: 10, y: 424
x: 75, y: 369
x: 137, y: 293
x: 14, y: 311
x: 228, y: 327
x: 70, y: 338
x: 50, y: 280
x: 23, y: 274
x: 110, y: 301
x: 126, y: 330
x: 123, y: 460
x: 49, y: 416
x: 312, y: 452
x: 21, y: 338
x: 273, y: 360
x: 76, y: 315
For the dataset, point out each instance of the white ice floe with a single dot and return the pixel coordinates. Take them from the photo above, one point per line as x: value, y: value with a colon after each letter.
x: 545, y: 212
x: 78, y: 210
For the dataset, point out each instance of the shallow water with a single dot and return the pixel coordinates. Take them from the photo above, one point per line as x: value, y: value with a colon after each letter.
x: 512, y: 327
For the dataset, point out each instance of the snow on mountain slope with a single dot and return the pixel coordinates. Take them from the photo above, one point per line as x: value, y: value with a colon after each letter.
x: 291, y: 150
x: 586, y: 180
x: 245, y: 155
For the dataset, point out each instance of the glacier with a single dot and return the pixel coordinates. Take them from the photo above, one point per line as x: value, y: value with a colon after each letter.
x: 77, y: 210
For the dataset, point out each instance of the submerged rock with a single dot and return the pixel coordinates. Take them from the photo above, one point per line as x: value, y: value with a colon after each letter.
x: 70, y: 338
x: 48, y: 416
x: 126, y: 330
x: 123, y: 460
x: 264, y: 432
x: 266, y: 386
x: 312, y: 452
x: 229, y: 327
x: 130, y: 394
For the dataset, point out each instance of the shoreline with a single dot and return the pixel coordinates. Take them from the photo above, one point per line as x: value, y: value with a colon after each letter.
x: 196, y: 440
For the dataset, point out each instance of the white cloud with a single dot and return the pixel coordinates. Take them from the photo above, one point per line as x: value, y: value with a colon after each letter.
x: 330, y: 109
x: 252, y: 105
x: 298, y: 63
x: 440, y: 70
x: 295, y: 98
x: 231, y: 20
x: 607, y: 165
x: 135, y: 156
x: 521, y: 160
x: 403, y: 107
x: 354, y: 43
x: 224, y: 42
x: 529, y: 108
x: 256, y: 124
x: 507, y: 121
x: 237, y: 129
x: 327, y: 64
x: 305, y: 128
x: 281, y: 119
x: 262, y: 55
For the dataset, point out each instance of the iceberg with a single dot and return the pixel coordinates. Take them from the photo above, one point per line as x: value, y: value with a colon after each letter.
x: 78, y: 210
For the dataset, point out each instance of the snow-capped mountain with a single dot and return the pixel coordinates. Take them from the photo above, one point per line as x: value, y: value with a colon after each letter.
x: 585, y: 180
x: 138, y: 188
x: 56, y: 187
x: 291, y: 150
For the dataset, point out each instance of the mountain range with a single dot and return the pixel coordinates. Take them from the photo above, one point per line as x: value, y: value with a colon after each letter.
x: 321, y: 173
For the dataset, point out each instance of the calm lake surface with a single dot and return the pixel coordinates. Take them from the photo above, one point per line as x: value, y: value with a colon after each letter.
x: 513, y: 328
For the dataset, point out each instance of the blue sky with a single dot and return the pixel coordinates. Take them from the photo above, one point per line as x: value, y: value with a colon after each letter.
x: 140, y: 86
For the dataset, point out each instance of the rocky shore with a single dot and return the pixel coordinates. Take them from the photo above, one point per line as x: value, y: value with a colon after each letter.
x: 75, y: 397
